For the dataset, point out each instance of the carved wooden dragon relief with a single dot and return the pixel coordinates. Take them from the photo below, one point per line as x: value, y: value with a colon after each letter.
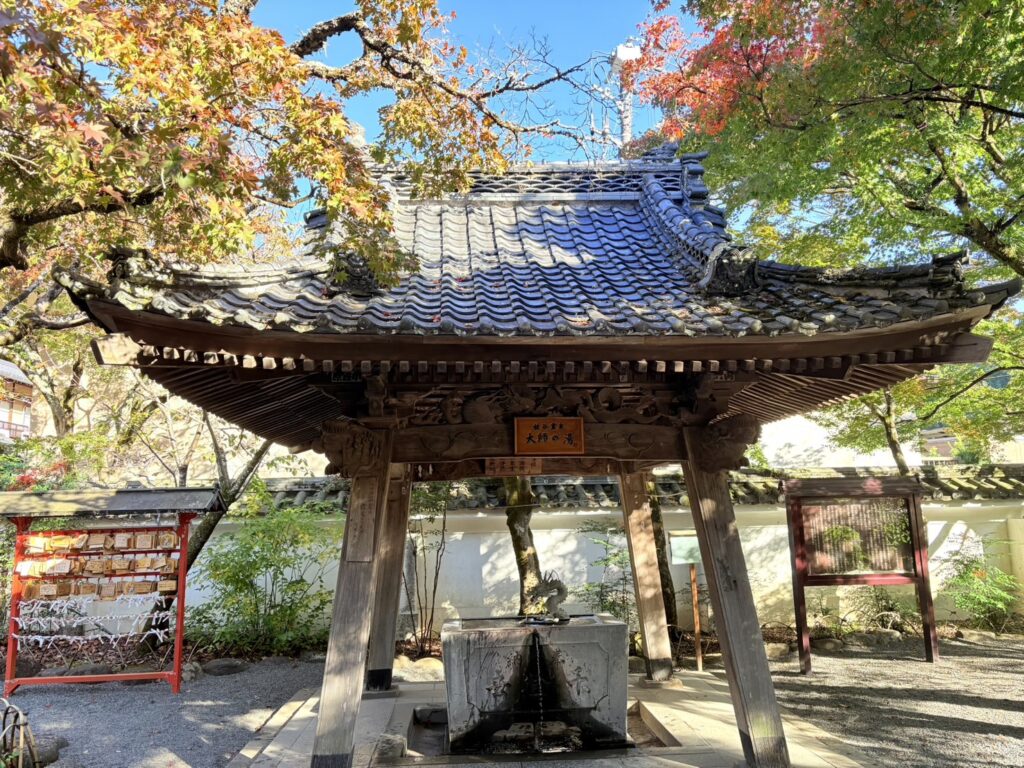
x: 720, y: 446
x: 351, y: 448
x: 600, y: 405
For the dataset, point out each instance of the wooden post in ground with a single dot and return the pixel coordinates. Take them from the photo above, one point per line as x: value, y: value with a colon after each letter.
x: 739, y: 633
x: 380, y: 660
x: 798, y: 560
x: 643, y: 556
x: 919, y: 540
x: 363, y: 455
x: 698, y: 651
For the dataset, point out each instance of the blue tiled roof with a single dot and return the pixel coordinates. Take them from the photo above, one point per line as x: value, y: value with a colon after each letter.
x: 607, y: 250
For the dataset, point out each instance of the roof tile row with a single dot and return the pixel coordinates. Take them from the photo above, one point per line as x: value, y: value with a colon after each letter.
x: 535, y: 253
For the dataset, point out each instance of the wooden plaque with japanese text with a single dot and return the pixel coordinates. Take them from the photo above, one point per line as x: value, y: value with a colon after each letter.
x: 549, y: 435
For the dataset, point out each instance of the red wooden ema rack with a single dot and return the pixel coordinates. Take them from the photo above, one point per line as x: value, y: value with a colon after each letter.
x: 120, y: 511
x: 865, y: 531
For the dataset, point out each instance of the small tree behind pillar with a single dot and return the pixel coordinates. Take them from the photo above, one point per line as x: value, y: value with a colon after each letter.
x: 535, y: 588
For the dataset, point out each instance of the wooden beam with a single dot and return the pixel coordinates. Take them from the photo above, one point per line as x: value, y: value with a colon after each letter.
x: 350, y: 621
x: 423, y: 445
x: 388, y: 582
x: 966, y: 348
x: 116, y: 349
x: 739, y: 631
x: 434, y: 471
x: 643, y: 557
x: 147, y: 327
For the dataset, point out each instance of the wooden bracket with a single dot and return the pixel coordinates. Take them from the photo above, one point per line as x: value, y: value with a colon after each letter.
x: 116, y: 349
x: 721, y: 445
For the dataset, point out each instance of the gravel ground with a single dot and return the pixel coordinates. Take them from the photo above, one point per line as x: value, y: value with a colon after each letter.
x: 145, y: 726
x: 965, y: 711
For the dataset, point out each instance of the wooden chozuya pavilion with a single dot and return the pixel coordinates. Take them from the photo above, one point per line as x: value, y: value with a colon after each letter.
x: 606, y: 293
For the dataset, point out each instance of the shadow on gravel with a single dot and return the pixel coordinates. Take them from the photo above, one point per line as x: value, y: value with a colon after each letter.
x: 885, y: 697
x: 966, y: 711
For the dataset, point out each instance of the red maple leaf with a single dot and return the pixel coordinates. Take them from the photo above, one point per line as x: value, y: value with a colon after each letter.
x: 93, y: 132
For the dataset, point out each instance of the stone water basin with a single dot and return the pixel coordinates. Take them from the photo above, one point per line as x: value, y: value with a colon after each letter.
x: 517, y: 686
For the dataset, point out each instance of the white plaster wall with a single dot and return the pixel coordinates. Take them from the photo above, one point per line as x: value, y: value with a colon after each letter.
x: 478, y: 576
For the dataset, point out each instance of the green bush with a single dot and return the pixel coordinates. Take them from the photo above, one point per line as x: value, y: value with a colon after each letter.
x: 878, y: 608
x: 614, y: 593
x: 263, y: 584
x: 984, y: 593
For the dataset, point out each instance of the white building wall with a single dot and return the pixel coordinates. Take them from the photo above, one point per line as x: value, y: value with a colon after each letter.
x: 478, y: 576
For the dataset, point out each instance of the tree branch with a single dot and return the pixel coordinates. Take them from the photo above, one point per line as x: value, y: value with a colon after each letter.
x: 14, y: 225
x: 230, y: 492
x: 142, y: 197
x: 218, y: 453
x: 239, y: 7
x: 316, y: 38
x: 32, y: 321
x: 946, y: 401
x: 409, y: 68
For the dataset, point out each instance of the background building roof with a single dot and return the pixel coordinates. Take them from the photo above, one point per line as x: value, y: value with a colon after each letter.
x: 950, y: 483
x: 11, y: 372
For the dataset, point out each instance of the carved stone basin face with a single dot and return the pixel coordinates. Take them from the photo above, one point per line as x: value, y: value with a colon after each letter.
x: 524, y: 687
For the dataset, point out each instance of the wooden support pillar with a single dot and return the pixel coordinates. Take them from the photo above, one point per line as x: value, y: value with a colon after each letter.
x: 919, y: 540
x: 739, y: 631
x: 698, y: 650
x: 643, y: 556
x: 363, y: 455
x: 388, y: 590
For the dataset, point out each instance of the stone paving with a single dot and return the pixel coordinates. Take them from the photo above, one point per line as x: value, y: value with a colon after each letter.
x: 692, y: 715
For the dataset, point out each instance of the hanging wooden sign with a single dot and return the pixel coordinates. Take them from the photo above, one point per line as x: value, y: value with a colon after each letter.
x: 513, y: 467
x: 549, y: 435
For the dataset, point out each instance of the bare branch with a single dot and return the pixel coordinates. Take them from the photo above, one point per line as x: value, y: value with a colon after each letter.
x: 33, y: 321
x: 316, y: 38
x: 159, y: 457
x: 239, y: 7
x: 409, y: 68
x: 223, y: 476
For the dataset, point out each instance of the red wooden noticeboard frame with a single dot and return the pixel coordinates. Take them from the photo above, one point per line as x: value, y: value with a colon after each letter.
x: 172, y: 676
x: 908, y: 489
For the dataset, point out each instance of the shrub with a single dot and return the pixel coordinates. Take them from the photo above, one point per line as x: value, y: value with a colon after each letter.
x: 878, y: 608
x: 983, y: 592
x: 429, y: 503
x: 264, y: 585
x: 614, y: 593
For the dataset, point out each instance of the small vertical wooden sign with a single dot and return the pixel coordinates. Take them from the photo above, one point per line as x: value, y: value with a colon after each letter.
x: 549, y: 435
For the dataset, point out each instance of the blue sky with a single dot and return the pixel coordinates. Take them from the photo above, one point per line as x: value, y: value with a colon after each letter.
x: 574, y: 30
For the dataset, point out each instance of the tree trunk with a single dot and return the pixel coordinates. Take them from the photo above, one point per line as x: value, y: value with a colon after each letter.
x: 888, y: 418
x: 668, y: 592
x: 520, y: 504
x: 203, y: 530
